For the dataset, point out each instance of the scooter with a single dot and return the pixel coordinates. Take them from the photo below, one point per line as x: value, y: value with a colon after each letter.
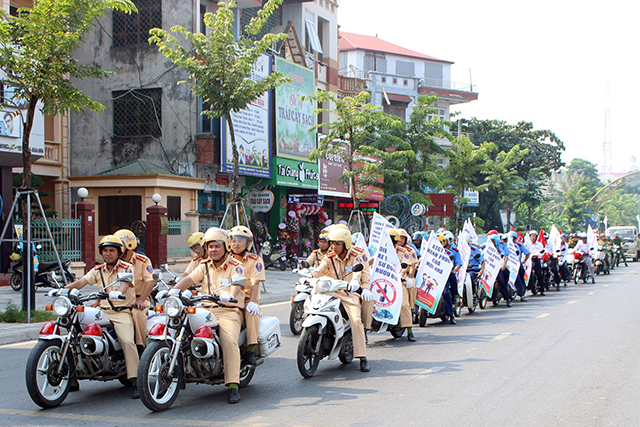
x: 467, y: 299
x: 326, y: 333
x: 302, y: 289
x: 601, y: 263
x: 274, y: 258
x: 48, y: 274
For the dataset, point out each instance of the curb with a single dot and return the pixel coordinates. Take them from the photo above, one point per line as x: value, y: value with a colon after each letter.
x: 12, y: 333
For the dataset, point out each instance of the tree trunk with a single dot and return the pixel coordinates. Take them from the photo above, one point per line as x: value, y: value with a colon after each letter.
x: 234, y: 151
x: 26, y: 148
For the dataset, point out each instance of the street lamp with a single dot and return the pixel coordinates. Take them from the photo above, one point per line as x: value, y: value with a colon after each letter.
x: 156, y: 198
x: 83, y: 193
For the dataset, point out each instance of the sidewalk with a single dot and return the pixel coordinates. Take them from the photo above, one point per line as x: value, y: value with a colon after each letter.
x: 279, y: 286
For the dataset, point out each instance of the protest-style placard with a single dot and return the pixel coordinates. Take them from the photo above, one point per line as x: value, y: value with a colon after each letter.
x: 379, y: 225
x: 465, y: 252
x: 492, y: 264
x: 386, y: 285
x: 470, y: 230
x: 513, y: 262
x: 433, y: 274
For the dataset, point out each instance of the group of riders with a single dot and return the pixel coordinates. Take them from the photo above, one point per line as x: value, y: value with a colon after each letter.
x: 220, y: 255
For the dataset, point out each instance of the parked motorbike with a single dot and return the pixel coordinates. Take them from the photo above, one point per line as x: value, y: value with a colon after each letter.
x: 325, y: 332
x: 601, y: 263
x: 185, y: 348
x: 302, y: 289
x: 292, y: 260
x: 274, y: 258
x: 81, y: 344
x: 47, y: 276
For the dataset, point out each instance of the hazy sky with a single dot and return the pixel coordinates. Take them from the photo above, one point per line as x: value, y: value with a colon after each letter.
x: 545, y: 62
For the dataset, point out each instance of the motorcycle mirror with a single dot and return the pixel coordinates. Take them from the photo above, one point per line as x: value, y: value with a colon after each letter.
x: 357, y: 267
x: 125, y: 277
x: 404, y: 265
x: 164, y: 267
x: 239, y: 281
x: 305, y: 264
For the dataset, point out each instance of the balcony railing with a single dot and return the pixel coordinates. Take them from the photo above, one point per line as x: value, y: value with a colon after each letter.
x: 446, y: 84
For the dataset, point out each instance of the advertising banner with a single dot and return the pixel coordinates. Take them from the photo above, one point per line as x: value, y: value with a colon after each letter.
x: 492, y: 264
x: 295, y: 173
x: 465, y: 252
x: 295, y: 117
x: 379, y: 226
x: 386, y: 286
x: 332, y: 166
x: 513, y: 262
x: 432, y: 275
x: 252, y: 130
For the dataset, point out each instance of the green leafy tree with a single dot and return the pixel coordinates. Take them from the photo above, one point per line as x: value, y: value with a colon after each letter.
x: 355, y: 128
x: 502, y: 176
x: 532, y: 193
x: 409, y: 149
x: 220, y: 66
x: 35, y: 56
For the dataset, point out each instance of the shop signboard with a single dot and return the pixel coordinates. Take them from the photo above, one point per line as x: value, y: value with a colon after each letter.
x: 252, y: 131
x: 473, y: 198
x: 332, y: 166
x: 307, y: 199
x: 214, y: 181
x: 295, y: 117
x: 260, y: 201
x: 295, y: 173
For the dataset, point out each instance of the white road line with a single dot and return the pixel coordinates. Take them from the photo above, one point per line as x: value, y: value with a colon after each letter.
x: 24, y: 344
x: 572, y: 302
x: 273, y: 304
x: 502, y: 336
x: 605, y: 286
x: 617, y: 279
x: 590, y: 293
x: 543, y: 315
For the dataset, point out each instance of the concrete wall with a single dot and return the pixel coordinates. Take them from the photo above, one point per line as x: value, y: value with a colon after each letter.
x: 135, y: 67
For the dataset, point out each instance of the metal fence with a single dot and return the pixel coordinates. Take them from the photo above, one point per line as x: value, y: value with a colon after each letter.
x: 205, y: 225
x: 177, y: 236
x: 66, y: 234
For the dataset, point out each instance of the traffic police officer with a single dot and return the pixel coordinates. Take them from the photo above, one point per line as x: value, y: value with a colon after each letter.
x: 323, y: 249
x: 143, y: 283
x: 344, y: 256
x: 195, y: 246
x: 219, y: 266
x: 241, y: 243
x: 406, y: 311
x: 103, y: 275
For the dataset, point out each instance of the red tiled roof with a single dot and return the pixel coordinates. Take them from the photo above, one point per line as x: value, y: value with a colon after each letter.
x: 350, y: 41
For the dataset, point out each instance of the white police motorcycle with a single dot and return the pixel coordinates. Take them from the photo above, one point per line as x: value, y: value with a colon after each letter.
x: 326, y: 333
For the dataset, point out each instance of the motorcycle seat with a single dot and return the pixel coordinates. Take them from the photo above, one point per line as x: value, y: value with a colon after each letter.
x: 48, y: 266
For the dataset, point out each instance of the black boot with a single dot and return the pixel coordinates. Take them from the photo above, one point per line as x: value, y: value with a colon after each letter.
x: 234, y: 395
x: 452, y: 319
x: 411, y: 337
x: 134, y: 392
x: 364, y: 365
x: 250, y: 358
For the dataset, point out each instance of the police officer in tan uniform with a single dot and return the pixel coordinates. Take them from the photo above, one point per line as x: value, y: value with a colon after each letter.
x: 403, y: 240
x: 103, y: 275
x: 221, y: 265
x: 406, y: 317
x: 143, y: 283
x: 195, y: 246
x: 241, y: 243
x: 341, y: 256
x: 323, y: 249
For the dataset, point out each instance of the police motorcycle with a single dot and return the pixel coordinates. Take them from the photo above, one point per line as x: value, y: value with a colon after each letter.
x: 303, y: 289
x: 326, y: 328
x: 80, y: 345
x: 48, y: 274
x: 184, y: 347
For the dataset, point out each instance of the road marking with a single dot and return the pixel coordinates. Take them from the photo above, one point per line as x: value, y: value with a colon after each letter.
x: 273, y: 304
x: 502, y: 336
x: 543, y: 315
x: 24, y: 344
x: 605, y: 286
x: 590, y: 293
x: 572, y: 302
x: 617, y: 279
x: 117, y: 420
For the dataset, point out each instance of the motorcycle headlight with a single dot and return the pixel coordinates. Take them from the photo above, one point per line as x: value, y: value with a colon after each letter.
x: 172, y: 307
x: 62, y: 306
x: 323, y: 285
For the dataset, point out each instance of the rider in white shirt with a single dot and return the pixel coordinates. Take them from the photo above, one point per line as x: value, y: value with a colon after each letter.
x: 582, y: 246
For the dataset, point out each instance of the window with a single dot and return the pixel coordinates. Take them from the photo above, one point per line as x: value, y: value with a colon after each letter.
x: 313, y: 40
x: 433, y: 74
x: 396, y: 108
x: 405, y: 82
x: 173, y: 208
x: 439, y: 113
x: 375, y: 61
x: 133, y: 29
x: 116, y: 212
x: 405, y: 68
x: 137, y: 112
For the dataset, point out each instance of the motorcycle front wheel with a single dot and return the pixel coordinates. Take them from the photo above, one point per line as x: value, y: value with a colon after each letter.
x: 157, y: 386
x: 282, y: 266
x: 16, y: 282
x: 46, y: 387
x: 307, y: 357
x: 296, y: 317
x: 396, y: 331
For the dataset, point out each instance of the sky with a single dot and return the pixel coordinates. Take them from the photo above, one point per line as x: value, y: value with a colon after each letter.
x: 545, y: 62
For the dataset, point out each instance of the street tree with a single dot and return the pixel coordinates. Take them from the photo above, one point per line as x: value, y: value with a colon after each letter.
x: 220, y: 66
x: 36, y: 57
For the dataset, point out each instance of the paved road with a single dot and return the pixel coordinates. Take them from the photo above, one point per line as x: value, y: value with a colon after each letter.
x: 567, y: 359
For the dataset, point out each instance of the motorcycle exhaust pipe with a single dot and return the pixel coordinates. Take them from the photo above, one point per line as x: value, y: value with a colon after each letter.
x: 91, y: 345
x: 202, y: 348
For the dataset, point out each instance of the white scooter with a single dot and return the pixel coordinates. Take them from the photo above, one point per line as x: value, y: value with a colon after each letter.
x: 303, y: 289
x: 325, y: 332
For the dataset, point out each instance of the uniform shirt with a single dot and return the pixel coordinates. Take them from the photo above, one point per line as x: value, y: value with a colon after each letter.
x: 502, y: 249
x: 581, y: 247
x: 403, y: 256
x: 332, y: 264
x: 195, y: 261
x: 316, y: 257
x: 100, y: 275
x: 413, y: 255
x: 454, y: 255
x: 253, y: 271
x: 563, y: 252
x: 142, y: 272
x: 521, y: 249
x: 536, y: 249
x: 474, y: 263
x: 210, y: 276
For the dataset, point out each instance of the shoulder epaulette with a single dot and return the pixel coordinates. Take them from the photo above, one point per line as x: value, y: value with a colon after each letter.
x: 141, y: 257
x: 400, y: 249
x: 234, y: 261
x: 99, y: 266
x: 331, y: 254
x: 358, y: 249
x: 195, y: 257
x: 252, y: 256
x: 456, y: 249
